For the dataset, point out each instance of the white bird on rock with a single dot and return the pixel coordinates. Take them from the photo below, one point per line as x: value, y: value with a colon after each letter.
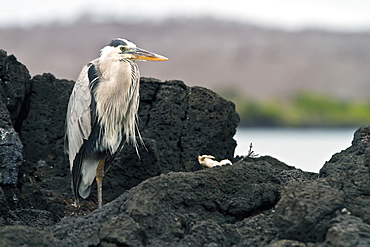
x: 209, y: 161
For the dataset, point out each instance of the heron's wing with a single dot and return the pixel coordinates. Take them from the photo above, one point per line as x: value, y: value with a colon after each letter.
x: 81, y: 117
x: 78, y: 119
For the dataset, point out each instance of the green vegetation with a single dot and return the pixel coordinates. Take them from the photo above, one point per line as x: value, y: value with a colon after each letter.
x: 303, y: 110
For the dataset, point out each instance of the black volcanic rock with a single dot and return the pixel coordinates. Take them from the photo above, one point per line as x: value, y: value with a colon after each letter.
x: 306, y: 209
x: 349, y: 171
x: 10, y: 156
x: 219, y: 206
x: 42, y: 133
x: 347, y: 230
x: 45, y: 171
x: 313, y: 211
x: 25, y: 236
x: 14, y: 87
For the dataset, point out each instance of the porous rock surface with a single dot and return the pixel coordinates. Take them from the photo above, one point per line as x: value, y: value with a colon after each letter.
x: 14, y: 86
x: 164, y: 198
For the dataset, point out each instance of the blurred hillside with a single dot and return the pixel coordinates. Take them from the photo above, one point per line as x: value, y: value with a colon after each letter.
x: 253, y: 63
x: 260, y: 62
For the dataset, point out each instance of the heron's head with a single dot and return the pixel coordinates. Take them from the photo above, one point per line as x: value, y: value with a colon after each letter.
x: 124, y: 49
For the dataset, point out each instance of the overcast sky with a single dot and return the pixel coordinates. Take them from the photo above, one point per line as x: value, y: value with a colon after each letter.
x: 346, y: 15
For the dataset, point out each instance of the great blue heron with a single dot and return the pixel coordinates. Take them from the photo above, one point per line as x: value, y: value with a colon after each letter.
x: 102, y: 110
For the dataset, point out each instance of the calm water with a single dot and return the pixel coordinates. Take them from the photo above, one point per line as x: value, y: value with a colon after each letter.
x: 307, y: 149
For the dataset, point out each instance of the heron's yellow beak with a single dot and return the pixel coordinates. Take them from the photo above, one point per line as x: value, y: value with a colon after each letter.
x: 140, y: 54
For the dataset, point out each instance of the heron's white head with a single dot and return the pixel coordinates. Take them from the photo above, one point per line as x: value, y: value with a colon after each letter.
x: 119, y: 49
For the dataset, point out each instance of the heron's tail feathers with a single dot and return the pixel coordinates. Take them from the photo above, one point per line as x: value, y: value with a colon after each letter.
x: 88, y: 174
x: 84, y: 190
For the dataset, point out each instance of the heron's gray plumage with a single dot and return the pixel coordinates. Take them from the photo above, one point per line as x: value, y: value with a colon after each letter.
x: 102, y: 111
x: 78, y: 119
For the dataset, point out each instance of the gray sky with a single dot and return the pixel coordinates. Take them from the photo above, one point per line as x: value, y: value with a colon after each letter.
x: 346, y: 15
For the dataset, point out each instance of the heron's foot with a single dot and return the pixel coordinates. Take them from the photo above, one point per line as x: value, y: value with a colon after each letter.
x: 76, y: 204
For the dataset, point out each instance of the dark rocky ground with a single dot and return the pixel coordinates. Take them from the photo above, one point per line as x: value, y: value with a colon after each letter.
x: 164, y: 198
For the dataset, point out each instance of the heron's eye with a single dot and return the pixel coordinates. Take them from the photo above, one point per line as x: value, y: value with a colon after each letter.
x: 123, y: 48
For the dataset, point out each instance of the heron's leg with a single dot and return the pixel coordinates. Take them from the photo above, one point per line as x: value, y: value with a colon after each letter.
x: 99, y: 181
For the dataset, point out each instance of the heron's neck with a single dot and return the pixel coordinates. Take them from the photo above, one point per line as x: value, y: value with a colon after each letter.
x: 112, y: 69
